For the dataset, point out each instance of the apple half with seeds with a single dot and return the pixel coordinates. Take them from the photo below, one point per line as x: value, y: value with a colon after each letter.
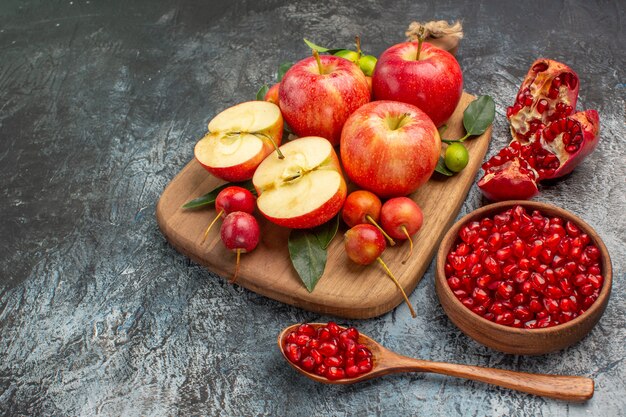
x: 239, y: 139
x: 303, y: 190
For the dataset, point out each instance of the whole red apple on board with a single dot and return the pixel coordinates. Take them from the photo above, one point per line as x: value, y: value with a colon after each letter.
x: 433, y: 82
x: 316, y: 97
x: 389, y: 148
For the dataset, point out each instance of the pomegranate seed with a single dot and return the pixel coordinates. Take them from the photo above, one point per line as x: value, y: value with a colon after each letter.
x: 302, y: 339
x: 522, y: 312
x: 592, y: 252
x: 349, y: 347
x: 321, y: 370
x: 291, y: 337
x: 580, y: 280
x: 307, y: 329
x: 363, y: 353
x: 594, y: 269
x: 504, y: 253
x: 308, y: 363
x: 595, y: 280
x: 454, y: 283
x: 335, y: 373
x: 492, y: 265
x: 505, y: 318
x: 293, y: 352
x: 317, y: 356
x: 542, y: 105
x: 323, y: 334
x: 352, y: 371
x: 538, y: 281
x: 480, y: 310
x: 333, y: 328
x: 505, y: 290
x: 480, y: 295
x: 535, y: 306
x: 468, y: 302
x: 553, y: 292
x: 365, y: 365
x: 333, y: 361
x: 328, y: 349
x: 587, y: 289
x: 483, y: 281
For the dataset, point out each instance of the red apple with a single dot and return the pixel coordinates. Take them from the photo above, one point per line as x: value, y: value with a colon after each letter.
x: 316, y: 97
x: 272, y: 94
x: 389, y: 148
x: 303, y: 190
x: 433, y: 81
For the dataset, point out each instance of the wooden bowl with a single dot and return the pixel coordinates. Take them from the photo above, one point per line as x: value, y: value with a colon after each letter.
x: 510, y: 339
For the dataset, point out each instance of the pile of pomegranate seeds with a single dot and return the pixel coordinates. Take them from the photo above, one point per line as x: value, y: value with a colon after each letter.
x: 524, y: 270
x: 329, y: 351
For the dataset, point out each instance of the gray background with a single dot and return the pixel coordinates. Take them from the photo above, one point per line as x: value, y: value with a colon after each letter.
x: 101, y: 103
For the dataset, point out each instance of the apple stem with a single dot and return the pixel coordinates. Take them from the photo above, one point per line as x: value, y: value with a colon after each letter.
x: 206, y: 232
x: 280, y: 154
x: 406, y: 299
x: 319, y: 62
x: 389, y: 238
x: 399, y: 121
x: 357, y: 41
x: 234, y: 278
x: 420, y: 41
x: 406, y: 232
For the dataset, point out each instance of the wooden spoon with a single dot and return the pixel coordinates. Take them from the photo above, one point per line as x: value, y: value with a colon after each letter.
x: 570, y: 388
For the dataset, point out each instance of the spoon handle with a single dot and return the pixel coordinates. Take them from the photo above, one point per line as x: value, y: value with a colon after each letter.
x: 570, y: 388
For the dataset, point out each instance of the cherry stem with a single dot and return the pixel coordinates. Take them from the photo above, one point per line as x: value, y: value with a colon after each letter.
x: 389, y: 238
x: 319, y: 62
x: 234, y: 278
x: 406, y: 299
x: 357, y: 41
x: 406, y: 232
x: 206, y: 232
x: 420, y: 41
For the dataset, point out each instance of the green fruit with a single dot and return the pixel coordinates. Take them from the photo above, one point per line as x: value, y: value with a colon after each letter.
x: 347, y: 54
x: 456, y: 157
x: 367, y: 63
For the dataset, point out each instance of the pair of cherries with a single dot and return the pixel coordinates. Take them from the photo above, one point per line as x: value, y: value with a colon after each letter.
x: 240, y: 231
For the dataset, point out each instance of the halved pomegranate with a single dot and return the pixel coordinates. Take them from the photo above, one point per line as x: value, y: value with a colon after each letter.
x: 548, y: 141
x: 549, y: 92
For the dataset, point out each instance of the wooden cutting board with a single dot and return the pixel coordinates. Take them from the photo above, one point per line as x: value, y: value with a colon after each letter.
x: 346, y: 289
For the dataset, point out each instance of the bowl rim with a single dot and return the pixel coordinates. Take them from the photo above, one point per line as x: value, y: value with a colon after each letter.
x: 607, y: 271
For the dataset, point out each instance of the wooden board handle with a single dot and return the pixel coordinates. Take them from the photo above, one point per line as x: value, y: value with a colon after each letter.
x: 569, y: 388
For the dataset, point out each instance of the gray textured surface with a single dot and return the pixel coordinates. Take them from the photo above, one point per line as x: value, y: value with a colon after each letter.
x: 100, y: 106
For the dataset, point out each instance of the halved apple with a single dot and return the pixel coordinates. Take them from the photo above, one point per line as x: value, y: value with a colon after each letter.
x: 239, y: 139
x: 303, y: 190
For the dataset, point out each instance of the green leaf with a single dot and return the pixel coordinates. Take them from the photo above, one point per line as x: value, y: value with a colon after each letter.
x: 209, y: 198
x: 260, y: 95
x: 479, y: 115
x: 442, y: 168
x: 315, y: 47
x: 327, y: 231
x: 282, y: 69
x: 321, y: 48
x: 307, y: 256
